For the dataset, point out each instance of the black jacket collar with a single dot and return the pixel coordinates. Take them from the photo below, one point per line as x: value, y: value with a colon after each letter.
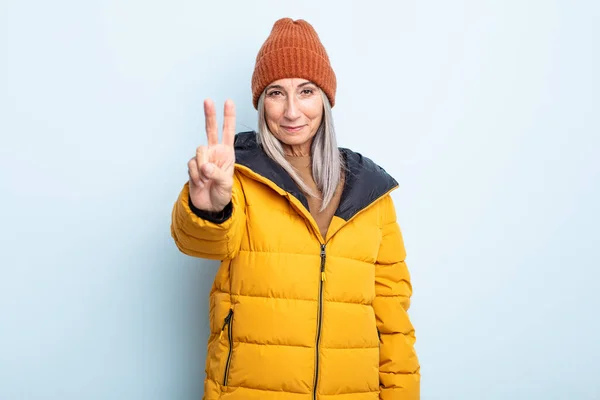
x: 365, y: 181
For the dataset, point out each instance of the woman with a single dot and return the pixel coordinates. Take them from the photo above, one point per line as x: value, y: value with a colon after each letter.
x: 311, y: 298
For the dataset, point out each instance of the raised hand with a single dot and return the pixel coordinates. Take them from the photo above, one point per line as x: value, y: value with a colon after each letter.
x: 211, y: 170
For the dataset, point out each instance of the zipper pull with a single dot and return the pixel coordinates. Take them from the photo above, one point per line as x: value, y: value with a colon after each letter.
x: 226, y: 322
x: 323, y: 256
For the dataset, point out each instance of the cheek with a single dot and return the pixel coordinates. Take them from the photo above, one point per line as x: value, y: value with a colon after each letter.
x: 314, y: 110
x: 316, y: 114
x: 272, y: 114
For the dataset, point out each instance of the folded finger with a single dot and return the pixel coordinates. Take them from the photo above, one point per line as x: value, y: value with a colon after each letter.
x: 194, y: 172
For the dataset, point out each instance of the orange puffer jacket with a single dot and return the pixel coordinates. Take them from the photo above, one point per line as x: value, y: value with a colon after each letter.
x: 298, y: 316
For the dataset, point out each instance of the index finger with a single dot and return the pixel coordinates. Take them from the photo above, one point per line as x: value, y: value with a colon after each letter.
x: 229, y: 123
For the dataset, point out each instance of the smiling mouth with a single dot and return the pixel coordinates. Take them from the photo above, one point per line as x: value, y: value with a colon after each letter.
x: 292, y: 128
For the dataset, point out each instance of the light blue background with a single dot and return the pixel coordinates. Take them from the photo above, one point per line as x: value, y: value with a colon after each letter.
x: 487, y: 113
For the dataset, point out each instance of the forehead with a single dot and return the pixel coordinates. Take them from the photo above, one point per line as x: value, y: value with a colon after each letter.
x: 290, y: 82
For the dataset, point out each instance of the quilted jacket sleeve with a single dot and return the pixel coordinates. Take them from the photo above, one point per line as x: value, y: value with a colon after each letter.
x: 199, y: 237
x: 399, y: 370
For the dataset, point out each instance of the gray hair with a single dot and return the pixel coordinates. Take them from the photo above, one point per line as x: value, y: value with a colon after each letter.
x: 327, y: 162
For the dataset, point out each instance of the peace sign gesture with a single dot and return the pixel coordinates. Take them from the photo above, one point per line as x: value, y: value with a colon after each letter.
x: 211, y: 170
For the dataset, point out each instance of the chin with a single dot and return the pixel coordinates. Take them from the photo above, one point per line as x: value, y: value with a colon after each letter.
x: 297, y: 138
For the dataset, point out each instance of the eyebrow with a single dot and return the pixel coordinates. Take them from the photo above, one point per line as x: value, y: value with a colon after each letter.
x: 281, y: 87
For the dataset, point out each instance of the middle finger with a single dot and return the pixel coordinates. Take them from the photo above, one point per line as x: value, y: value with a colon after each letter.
x: 210, y: 118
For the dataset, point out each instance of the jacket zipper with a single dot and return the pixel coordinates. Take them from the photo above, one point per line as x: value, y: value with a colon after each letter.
x: 229, y: 325
x: 319, y: 320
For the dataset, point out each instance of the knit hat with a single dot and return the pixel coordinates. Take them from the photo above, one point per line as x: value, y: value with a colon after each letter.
x: 293, y: 50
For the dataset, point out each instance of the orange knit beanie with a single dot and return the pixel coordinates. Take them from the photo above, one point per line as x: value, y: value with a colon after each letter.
x: 293, y: 50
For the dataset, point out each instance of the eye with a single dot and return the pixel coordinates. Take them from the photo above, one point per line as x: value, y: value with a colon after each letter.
x: 308, y: 91
x: 274, y: 93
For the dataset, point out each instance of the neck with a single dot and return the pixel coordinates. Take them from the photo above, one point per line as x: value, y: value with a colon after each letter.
x: 302, y: 150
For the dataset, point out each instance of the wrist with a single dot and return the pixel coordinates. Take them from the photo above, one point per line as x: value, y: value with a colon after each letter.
x: 216, y: 217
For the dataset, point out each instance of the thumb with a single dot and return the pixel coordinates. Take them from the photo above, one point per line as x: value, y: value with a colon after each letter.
x: 211, y: 171
x: 208, y: 170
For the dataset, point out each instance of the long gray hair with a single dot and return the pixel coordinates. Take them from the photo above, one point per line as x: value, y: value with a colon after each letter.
x: 327, y: 163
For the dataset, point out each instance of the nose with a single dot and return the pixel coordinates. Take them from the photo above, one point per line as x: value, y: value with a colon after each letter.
x: 292, y: 112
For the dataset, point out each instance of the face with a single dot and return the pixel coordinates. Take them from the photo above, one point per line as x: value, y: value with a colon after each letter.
x: 293, y: 112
